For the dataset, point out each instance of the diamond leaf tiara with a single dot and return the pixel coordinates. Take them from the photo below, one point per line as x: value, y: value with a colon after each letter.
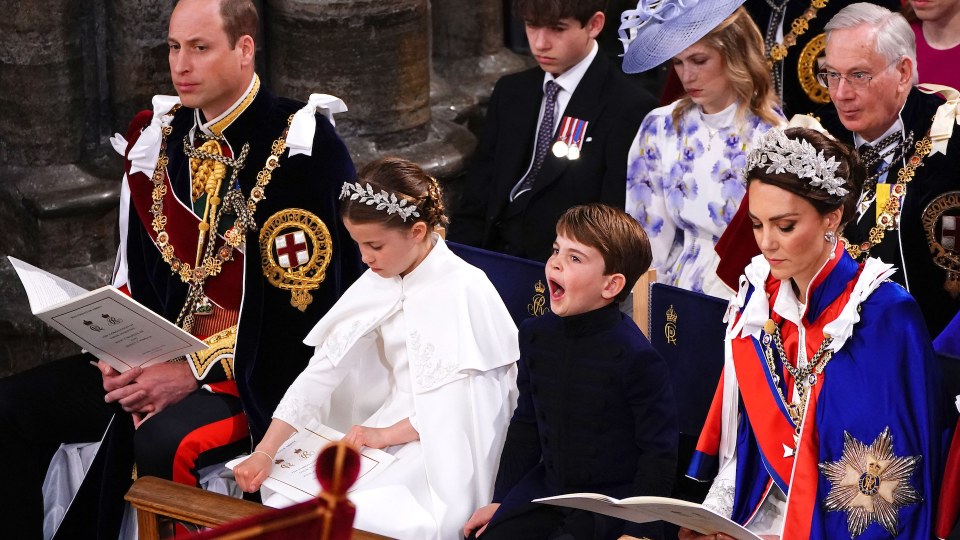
x: 383, y: 200
x: 779, y: 154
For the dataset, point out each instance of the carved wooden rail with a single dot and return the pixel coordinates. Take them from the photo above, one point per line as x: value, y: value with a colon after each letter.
x: 160, y: 503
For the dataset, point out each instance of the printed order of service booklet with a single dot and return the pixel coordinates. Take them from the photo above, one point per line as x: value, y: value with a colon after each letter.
x: 645, y: 509
x: 106, y: 323
x: 294, y: 467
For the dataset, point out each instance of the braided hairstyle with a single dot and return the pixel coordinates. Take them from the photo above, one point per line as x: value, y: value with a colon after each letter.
x: 406, y: 180
x: 850, y: 169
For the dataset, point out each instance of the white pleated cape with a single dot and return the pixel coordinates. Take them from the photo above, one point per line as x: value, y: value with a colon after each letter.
x: 458, y: 331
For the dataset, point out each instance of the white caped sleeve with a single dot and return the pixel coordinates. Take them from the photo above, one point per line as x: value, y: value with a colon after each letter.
x: 311, y: 390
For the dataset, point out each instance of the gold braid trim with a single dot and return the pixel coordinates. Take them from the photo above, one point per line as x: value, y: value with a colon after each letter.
x: 889, y: 216
x: 218, y: 128
x: 220, y: 347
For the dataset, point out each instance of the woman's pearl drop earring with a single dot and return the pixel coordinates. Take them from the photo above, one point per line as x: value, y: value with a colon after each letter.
x: 831, y: 237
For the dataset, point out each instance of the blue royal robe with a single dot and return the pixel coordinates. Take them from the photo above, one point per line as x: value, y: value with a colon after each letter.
x: 878, y: 398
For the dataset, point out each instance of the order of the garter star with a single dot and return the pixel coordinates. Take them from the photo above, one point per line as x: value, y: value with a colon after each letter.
x: 870, y: 483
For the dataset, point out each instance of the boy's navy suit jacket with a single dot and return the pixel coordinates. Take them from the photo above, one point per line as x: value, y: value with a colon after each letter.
x: 596, y: 414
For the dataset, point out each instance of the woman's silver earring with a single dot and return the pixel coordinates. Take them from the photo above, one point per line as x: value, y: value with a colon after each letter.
x: 831, y: 237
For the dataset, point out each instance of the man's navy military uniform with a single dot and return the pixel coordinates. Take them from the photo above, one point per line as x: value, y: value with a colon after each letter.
x: 265, y: 285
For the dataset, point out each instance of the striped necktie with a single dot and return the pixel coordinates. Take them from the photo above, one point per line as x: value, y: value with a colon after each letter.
x: 544, y: 135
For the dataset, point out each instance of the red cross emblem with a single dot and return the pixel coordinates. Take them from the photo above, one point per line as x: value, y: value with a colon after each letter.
x: 292, y: 250
x: 949, y: 233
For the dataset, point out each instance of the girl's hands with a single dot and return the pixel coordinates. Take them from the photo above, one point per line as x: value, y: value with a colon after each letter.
x: 366, y: 436
x: 252, y: 471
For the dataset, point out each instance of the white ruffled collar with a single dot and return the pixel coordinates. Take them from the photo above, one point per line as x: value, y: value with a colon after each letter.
x: 755, y: 312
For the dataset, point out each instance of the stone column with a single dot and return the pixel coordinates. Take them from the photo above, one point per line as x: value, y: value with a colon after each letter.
x: 137, y: 65
x: 55, y: 212
x: 468, y: 45
x: 41, y: 110
x: 374, y: 54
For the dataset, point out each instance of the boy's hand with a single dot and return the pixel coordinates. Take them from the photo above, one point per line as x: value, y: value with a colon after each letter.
x: 252, y: 471
x: 480, y: 519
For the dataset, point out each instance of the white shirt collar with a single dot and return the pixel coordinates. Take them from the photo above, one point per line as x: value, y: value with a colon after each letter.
x: 569, y: 80
x: 786, y: 305
x: 722, y: 119
x: 205, y: 127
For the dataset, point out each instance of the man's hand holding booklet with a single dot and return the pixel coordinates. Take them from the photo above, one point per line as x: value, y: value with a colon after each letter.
x: 106, y: 323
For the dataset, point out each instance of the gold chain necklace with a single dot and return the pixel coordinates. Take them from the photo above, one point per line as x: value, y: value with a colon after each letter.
x: 808, y: 373
x: 891, y: 210
x: 212, y: 262
x: 799, y: 26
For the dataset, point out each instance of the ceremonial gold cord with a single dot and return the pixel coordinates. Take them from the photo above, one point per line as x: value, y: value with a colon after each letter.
x: 212, y: 262
x: 891, y: 210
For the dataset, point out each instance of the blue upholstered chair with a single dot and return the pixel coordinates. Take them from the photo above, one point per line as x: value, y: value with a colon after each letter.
x: 521, y: 283
x: 687, y: 329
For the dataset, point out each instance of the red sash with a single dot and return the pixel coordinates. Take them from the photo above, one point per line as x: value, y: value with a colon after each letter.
x: 224, y: 289
x: 770, y: 420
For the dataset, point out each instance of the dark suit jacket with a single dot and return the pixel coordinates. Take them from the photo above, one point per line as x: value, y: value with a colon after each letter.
x: 596, y: 413
x: 613, y: 105
x: 909, y: 250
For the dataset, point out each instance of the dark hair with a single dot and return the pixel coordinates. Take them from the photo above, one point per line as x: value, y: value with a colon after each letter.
x: 406, y: 180
x: 549, y: 12
x: 850, y: 169
x: 619, y: 238
x: 239, y: 19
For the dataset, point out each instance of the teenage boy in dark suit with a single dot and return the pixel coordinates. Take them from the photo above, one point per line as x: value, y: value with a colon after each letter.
x: 522, y: 180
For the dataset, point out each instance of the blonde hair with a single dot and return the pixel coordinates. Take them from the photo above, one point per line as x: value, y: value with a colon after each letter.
x: 740, y: 44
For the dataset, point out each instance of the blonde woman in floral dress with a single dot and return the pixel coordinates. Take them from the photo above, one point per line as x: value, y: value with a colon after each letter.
x: 684, y: 183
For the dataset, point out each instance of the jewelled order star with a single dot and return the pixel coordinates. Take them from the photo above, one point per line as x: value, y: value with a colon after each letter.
x: 870, y: 483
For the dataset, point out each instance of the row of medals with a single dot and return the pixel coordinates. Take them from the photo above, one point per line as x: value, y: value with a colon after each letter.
x: 561, y: 149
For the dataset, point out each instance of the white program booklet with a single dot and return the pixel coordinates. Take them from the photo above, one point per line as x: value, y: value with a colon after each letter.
x: 294, y: 472
x: 645, y: 509
x: 106, y: 323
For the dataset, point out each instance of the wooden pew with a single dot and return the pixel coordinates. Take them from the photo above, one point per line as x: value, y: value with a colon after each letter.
x: 641, y: 301
x: 160, y: 503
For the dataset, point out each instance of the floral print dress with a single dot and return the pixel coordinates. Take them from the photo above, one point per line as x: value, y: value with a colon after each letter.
x: 684, y: 188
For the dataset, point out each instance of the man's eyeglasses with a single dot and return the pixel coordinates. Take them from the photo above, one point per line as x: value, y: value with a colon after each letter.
x: 857, y: 81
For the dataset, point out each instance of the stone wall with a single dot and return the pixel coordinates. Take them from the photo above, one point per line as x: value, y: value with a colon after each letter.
x: 73, y: 72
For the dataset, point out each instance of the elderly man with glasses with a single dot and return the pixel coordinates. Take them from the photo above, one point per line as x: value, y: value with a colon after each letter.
x: 907, y: 213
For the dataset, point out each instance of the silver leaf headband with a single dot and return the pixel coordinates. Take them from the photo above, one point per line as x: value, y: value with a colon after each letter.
x: 384, y: 201
x: 779, y: 154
